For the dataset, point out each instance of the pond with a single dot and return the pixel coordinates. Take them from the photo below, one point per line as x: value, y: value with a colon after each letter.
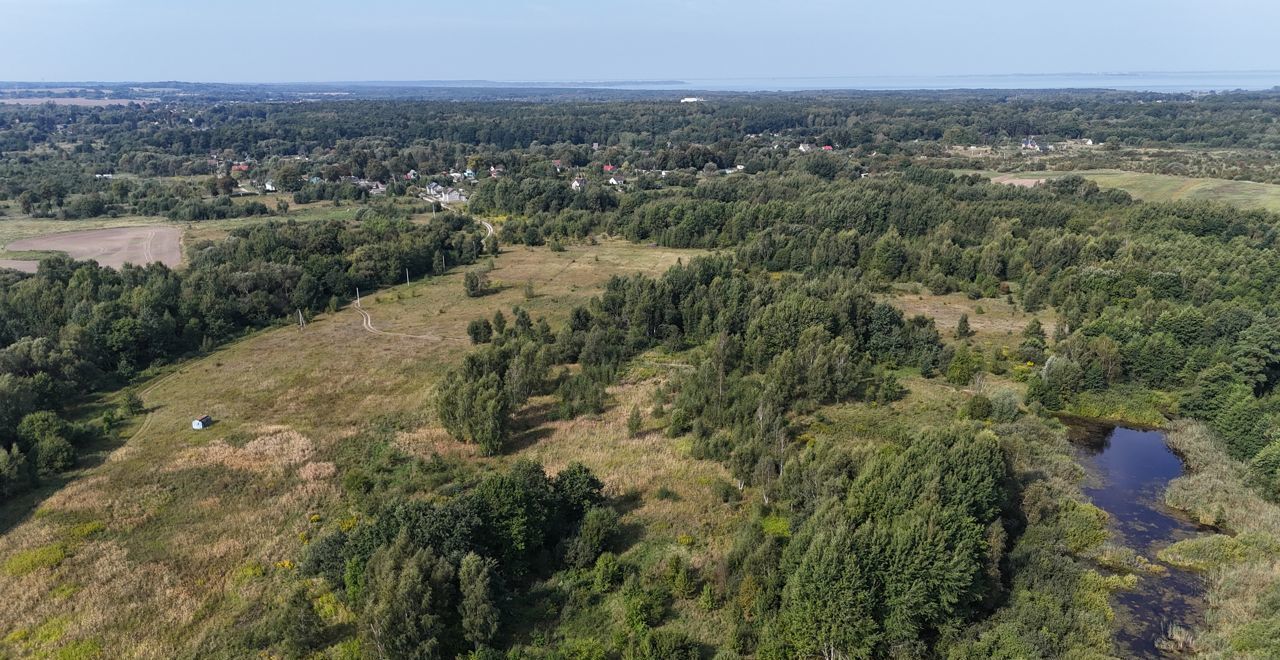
x: 1129, y: 470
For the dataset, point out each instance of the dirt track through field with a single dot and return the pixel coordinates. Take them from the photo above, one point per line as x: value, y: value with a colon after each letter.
x: 111, y: 247
x: 366, y: 320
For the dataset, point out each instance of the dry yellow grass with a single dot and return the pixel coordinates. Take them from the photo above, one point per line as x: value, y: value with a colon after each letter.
x: 197, y: 523
x: 1000, y: 324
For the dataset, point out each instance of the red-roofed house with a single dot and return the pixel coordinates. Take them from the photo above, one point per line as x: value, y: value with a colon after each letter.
x: 827, y: 148
x: 610, y: 168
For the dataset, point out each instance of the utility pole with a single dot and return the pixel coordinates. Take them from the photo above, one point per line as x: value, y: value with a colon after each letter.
x: 357, y: 296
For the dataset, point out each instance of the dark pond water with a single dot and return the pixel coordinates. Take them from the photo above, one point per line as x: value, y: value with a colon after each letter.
x: 1129, y: 470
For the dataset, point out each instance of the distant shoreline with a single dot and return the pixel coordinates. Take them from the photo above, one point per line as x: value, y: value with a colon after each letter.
x: 1154, y: 82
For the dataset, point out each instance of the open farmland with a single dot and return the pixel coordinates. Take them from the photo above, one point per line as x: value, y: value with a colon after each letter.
x: 1162, y: 187
x: 111, y: 247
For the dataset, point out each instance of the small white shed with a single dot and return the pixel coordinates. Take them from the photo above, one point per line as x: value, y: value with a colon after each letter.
x: 202, y: 422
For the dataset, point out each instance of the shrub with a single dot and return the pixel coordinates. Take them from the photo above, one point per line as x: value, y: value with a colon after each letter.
x: 480, y: 331
x: 1004, y: 406
x: 54, y: 454
x: 607, y: 573
x: 642, y: 607
x: 598, y: 527
x: 978, y: 407
x: 634, y: 421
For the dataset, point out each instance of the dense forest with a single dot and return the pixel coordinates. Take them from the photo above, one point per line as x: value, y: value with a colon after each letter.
x: 964, y: 537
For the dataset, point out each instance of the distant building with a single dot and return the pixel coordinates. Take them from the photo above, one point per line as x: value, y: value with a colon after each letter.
x: 269, y: 186
x: 202, y: 422
x: 411, y: 175
x: 610, y: 168
x: 578, y: 184
x: 617, y: 180
x: 691, y: 99
x: 806, y: 148
x: 828, y: 148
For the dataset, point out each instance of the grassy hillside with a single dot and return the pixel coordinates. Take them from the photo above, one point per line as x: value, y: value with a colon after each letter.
x: 168, y: 536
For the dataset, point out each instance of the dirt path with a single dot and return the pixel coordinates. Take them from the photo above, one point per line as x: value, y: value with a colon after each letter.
x: 367, y: 323
x: 366, y: 320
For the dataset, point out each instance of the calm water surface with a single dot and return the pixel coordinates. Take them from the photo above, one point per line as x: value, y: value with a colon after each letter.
x: 1128, y: 471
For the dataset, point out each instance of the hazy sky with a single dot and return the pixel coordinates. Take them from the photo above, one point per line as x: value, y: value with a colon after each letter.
x: 325, y: 40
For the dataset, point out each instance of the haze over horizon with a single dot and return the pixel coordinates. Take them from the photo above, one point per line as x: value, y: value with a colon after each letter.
x: 575, y: 40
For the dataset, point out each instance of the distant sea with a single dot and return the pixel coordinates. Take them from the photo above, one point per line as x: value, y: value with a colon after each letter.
x: 1160, y: 81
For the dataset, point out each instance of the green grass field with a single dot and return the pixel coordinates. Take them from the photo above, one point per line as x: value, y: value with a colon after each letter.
x: 1164, y: 187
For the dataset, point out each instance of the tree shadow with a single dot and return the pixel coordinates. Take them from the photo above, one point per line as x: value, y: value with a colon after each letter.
x: 527, y: 439
x: 18, y: 508
x: 530, y: 426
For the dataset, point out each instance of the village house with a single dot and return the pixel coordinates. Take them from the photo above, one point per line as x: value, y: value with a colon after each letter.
x: 578, y: 184
x: 617, y: 180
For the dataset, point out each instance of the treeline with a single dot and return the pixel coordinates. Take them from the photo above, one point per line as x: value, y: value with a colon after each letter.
x: 76, y: 327
x: 383, y: 140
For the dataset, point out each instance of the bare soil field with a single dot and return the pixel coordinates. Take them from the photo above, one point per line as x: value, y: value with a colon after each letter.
x: 1018, y: 180
x: 109, y: 247
x: 19, y: 264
